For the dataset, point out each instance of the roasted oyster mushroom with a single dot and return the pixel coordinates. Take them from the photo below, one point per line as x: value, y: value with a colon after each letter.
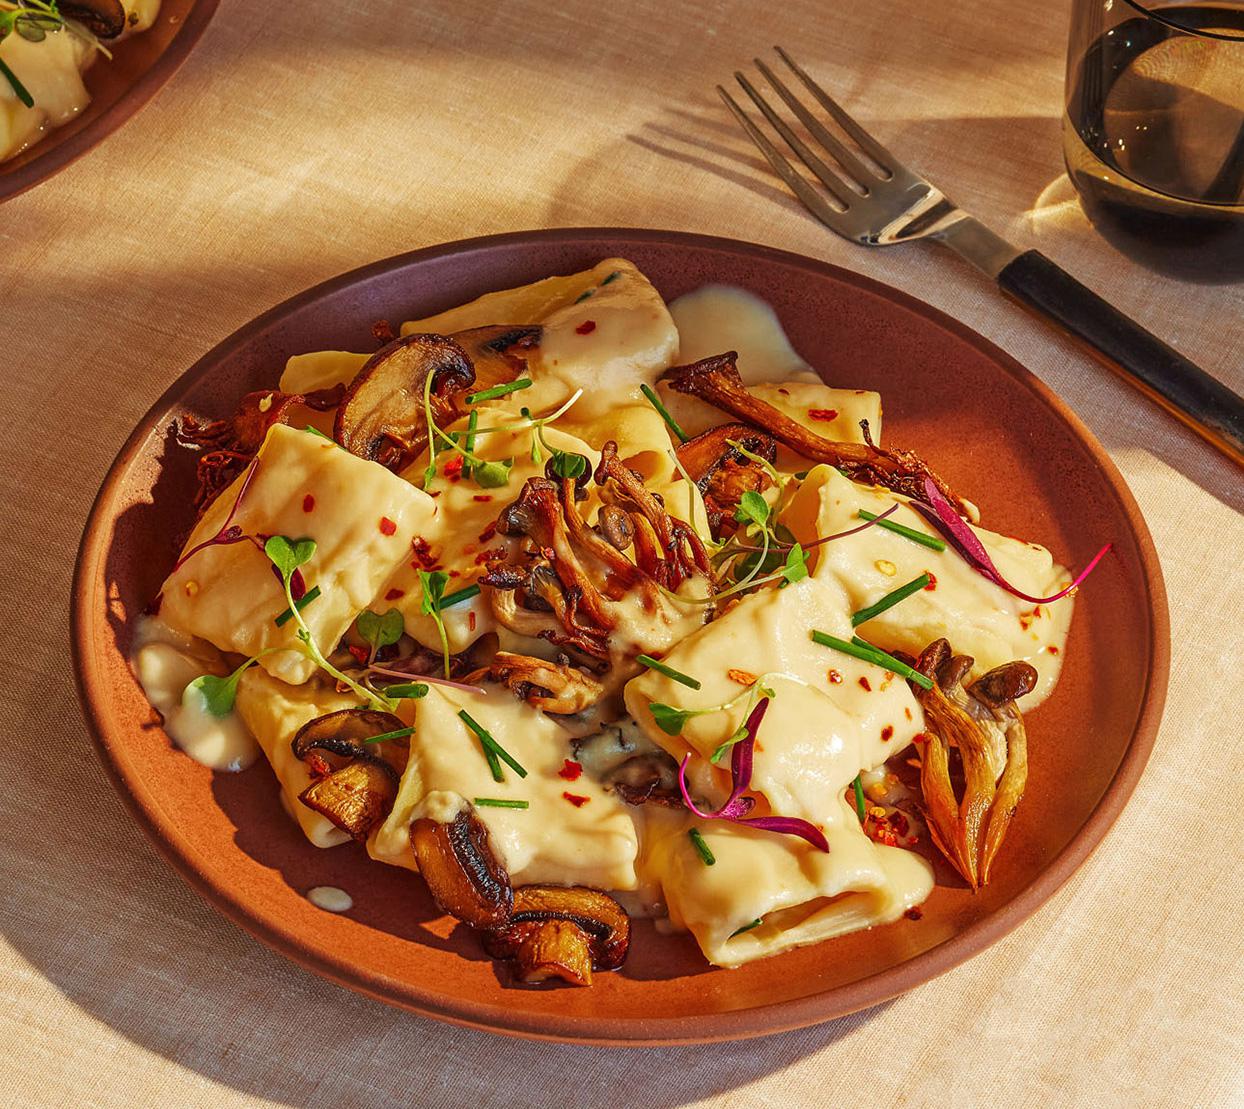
x: 716, y: 380
x: 381, y: 417
x: 227, y: 446
x: 560, y: 583
x: 554, y: 687
x: 561, y: 932
x: 983, y: 722
x: 353, y: 785
x: 464, y: 876
x: 722, y: 473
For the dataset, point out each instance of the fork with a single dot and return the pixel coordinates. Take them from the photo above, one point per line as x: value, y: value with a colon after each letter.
x: 869, y: 197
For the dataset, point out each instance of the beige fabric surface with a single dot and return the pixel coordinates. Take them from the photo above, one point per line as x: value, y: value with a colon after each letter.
x: 305, y: 139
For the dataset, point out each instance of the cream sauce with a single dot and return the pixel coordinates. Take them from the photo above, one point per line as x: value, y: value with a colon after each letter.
x: 331, y: 899
x: 166, y: 662
x: 717, y: 318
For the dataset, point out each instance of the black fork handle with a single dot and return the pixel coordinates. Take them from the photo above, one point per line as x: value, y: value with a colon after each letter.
x: 1206, y: 405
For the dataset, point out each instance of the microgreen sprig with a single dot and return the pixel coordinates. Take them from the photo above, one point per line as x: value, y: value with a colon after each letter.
x: 379, y: 630
x: 287, y: 555
x: 219, y: 694
x: 652, y: 398
x: 432, y: 585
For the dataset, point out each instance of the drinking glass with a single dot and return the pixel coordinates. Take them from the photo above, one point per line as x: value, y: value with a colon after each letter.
x: 1153, y: 134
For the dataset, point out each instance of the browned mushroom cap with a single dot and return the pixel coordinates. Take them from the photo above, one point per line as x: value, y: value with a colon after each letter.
x: 381, y: 417
x: 545, y: 685
x: 464, y: 876
x: 722, y: 473
x: 717, y: 381
x: 499, y: 353
x: 352, y: 785
x: 105, y: 19
x: 1004, y: 684
x: 562, y: 932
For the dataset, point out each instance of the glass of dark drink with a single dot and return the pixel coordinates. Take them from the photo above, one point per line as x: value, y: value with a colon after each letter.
x: 1153, y: 135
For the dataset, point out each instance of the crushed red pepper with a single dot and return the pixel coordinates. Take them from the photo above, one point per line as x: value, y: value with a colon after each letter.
x: 914, y: 913
x: 482, y: 498
x: 932, y: 581
x: 360, y: 653
x: 488, y: 532
x: 823, y: 414
x: 453, y: 468
x: 424, y: 558
x: 387, y: 526
x: 576, y: 799
x: 586, y: 327
x: 887, y: 733
x: 743, y: 677
x: 570, y: 770
x: 866, y: 685
x: 308, y: 503
x: 835, y: 677
x: 394, y: 594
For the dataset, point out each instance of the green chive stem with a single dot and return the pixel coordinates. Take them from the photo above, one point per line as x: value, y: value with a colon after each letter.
x: 499, y: 391
x: 299, y: 604
x: 500, y: 803
x: 930, y: 541
x: 490, y: 745
x: 859, y: 798
x: 668, y: 671
x: 391, y: 735
x: 413, y: 690
x: 459, y: 595
x: 670, y: 422
x: 705, y: 852
x: 23, y: 93
x: 746, y: 928
x: 890, y: 600
x: 866, y: 652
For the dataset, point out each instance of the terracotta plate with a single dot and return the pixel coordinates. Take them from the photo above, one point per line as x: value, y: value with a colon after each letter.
x: 138, y: 70
x: 987, y: 425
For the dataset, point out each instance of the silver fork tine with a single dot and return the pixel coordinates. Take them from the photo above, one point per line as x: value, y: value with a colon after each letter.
x: 840, y: 153
x: 812, y: 200
x: 835, y: 184
x: 867, y: 143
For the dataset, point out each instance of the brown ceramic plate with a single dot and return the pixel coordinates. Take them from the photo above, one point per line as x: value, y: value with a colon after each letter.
x: 990, y: 427
x: 139, y: 68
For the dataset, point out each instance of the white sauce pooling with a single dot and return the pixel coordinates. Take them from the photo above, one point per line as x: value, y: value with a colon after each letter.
x: 165, y: 662
x: 331, y: 899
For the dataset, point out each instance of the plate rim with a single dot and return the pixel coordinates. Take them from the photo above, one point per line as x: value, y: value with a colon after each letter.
x: 756, y: 1021
x: 57, y: 157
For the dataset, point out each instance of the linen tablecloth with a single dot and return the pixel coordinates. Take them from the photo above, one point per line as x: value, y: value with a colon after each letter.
x: 301, y: 140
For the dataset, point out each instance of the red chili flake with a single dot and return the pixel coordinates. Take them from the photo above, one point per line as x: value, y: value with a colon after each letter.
x: 482, y: 498
x: 393, y: 594
x: 866, y: 685
x: 471, y: 620
x: 387, y: 526
x: 823, y: 414
x: 318, y: 766
x: 488, y: 532
x: 586, y: 327
x: 932, y: 581
x: 308, y: 503
x: 743, y: 677
x: 1052, y: 649
x: 907, y: 712
x: 576, y: 799
x: 435, y: 493
x: 920, y: 737
x: 899, y: 821
x: 570, y: 770
x: 360, y: 653
x: 424, y: 557
x: 489, y: 555
x: 453, y: 468
x: 455, y: 573
x: 914, y: 913
x: 887, y: 733
x: 835, y: 677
